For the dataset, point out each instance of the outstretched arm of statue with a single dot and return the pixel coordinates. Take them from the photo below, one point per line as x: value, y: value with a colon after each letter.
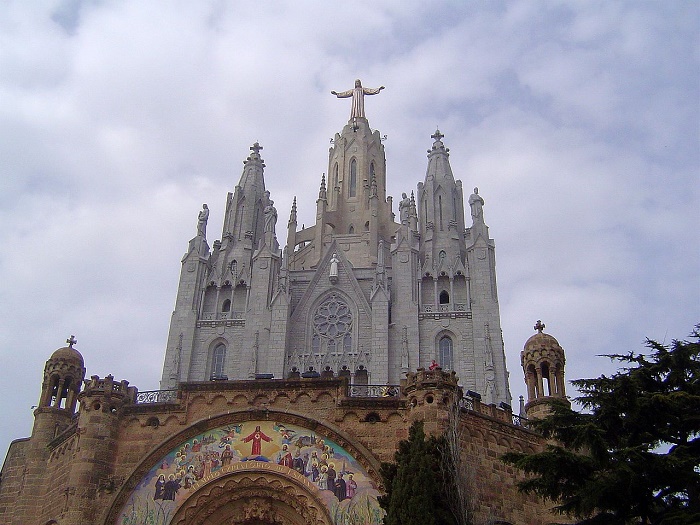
x: 342, y: 94
x: 372, y: 91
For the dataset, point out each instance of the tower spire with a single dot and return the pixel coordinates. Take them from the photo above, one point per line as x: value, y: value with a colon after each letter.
x: 322, y: 189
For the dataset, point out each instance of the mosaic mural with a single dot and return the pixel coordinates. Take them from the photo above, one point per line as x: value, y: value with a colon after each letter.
x: 344, y: 486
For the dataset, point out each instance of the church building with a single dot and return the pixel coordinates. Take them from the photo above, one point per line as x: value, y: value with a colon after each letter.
x: 296, y: 361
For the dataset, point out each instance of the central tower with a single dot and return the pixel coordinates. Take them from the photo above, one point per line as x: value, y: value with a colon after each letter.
x: 357, y: 294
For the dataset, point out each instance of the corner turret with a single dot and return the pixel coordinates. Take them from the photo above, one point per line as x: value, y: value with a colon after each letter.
x: 543, y: 362
x: 63, y: 375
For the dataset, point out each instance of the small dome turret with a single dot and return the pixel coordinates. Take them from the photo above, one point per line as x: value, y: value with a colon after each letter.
x: 68, y: 354
x: 63, y: 376
x: 543, y: 362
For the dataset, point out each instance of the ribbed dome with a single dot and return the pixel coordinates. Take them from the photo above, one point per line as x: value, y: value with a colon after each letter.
x: 69, y: 355
x: 539, y: 340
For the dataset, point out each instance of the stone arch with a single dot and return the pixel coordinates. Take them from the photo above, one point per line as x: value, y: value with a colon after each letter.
x: 255, y: 495
x: 364, y: 458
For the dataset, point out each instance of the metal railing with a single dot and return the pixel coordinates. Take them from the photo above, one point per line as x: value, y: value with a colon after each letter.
x: 374, y: 391
x: 442, y: 308
x: 157, y: 396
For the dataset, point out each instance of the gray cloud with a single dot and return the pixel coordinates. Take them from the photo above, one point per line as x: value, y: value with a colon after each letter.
x: 578, y: 122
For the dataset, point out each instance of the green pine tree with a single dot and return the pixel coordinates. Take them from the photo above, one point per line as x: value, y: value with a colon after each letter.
x: 633, y: 456
x: 415, y: 493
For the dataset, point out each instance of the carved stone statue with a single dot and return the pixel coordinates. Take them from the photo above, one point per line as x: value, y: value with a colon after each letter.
x: 358, y: 97
x: 476, y: 203
x: 270, y: 216
x: 202, y: 221
x: 333, y: 273
x: 404, y: 208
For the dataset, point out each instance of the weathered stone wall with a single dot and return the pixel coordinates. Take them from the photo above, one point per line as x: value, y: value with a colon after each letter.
x: 369, y: 427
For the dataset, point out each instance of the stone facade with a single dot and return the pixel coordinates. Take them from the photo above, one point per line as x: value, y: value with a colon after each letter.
x: 120, y: 441
x: 410, y: 292
x: 291, y: 374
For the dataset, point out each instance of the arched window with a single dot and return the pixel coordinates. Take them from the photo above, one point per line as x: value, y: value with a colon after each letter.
x: 440, y: 209
x: 62, y: 402
x: 444, y: 297
x: 546, y: 385
x: 371, y: 171
x: 226, y: 306
x: 351, y: 229
x: 335, y: 175
x: 352, y: 186
x: 445, y: 351
x: 367, y: 226
x: 218, y: 361
x: 442, y: 254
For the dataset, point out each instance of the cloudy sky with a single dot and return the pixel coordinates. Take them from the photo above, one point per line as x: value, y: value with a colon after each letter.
x: 578, y: 121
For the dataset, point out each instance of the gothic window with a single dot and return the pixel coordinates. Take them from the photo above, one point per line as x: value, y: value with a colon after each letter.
x: 332, y: 326
x: 440, y: 209
x: 442, y: 254
x: 217, y: 361
x: 367, y: 226
x: 335, y: 175
x: 444, y: 297
x: 351, y: 229
x: 226, y: 307
x: 371, y: 172
x: 445, y: 351
x: 352, y: 188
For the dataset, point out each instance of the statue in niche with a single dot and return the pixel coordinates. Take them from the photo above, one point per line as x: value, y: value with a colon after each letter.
x: 333, y: 273
x: 476, y: 202
x: 358, y: 98
x: 202, y: 221
x: 404, y: 208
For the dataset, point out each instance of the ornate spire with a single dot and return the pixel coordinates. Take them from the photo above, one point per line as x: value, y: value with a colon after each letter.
x: 293, y: 213
x: 322, y: 189
x: 437, y: 144
x: 255, y: 156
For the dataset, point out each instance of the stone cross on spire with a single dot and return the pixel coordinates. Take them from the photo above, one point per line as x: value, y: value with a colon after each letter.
x: 539, y: 326
x: 358, y: 98
x: 437, y: 135
x: 255, y: 148
x: 71, y: 341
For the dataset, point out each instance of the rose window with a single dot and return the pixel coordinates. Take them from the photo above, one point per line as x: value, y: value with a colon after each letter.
x: 332, y: 327
x: 333, y: 318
